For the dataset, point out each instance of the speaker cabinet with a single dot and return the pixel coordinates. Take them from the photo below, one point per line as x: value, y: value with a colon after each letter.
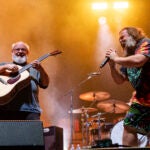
x: 53, y: 137
x: 21, y: 135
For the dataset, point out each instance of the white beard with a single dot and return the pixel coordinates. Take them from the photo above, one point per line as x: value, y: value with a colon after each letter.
x: 130, y: 42
x: 129, y: 46
x: 19, y: 59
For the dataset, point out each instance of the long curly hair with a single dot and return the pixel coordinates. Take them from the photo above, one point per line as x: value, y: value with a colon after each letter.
x: 136, y: 33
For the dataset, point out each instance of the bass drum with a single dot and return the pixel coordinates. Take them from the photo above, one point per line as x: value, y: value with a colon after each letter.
x: 117, y: 135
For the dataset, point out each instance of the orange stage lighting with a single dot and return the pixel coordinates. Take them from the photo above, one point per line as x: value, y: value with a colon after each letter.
x: 115, y: 5
x: 99, y: 6
x: 102, y: 20
x: 118, y: 5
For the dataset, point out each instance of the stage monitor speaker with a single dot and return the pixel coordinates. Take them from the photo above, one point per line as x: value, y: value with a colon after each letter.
x: 21, y: 135
x: 53, y: 137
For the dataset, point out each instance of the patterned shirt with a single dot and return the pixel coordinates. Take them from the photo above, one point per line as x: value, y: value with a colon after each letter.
x: 139, y: 77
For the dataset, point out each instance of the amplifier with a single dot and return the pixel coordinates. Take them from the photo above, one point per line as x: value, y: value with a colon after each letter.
x: 53, y: 137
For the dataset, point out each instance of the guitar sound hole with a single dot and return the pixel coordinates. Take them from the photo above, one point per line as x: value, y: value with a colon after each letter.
x: 14, y: 74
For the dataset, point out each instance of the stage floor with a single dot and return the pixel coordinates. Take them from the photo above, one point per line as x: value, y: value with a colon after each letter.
x: 117, y: 148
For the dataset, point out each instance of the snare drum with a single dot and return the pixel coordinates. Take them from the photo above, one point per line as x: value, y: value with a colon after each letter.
x: 117, y: 135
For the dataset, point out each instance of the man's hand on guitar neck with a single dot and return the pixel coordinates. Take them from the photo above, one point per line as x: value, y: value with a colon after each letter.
x: 36, y: 64
x: 44, y: 80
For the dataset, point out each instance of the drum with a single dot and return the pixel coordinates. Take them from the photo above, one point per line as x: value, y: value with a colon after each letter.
x: 100, y: 133
x: 117, y: 135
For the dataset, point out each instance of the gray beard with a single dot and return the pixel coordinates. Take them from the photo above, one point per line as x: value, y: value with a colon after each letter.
x: 19, y: 59
x: 129, y: 46
x: 130, y: 43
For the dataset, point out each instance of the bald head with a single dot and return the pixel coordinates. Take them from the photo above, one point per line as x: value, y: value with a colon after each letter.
x: 22, y: 45
x: 20, y: 51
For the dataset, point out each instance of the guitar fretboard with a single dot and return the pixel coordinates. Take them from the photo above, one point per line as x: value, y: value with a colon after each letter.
x: 30, y: 65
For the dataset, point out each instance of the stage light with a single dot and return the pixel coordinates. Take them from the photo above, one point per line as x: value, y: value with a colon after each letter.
x: 117, y: 5
x: 99, y: 6
x: 102, y: 20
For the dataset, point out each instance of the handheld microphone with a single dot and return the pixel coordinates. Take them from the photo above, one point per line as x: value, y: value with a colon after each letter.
x: 104, y: 62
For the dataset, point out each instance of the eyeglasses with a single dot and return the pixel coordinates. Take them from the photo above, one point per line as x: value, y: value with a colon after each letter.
x: 22, y: 49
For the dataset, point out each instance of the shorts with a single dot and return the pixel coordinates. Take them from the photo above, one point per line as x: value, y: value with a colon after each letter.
x: 138, y: 117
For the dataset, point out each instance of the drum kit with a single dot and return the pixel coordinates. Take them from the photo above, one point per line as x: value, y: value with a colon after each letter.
x: 95, y: 127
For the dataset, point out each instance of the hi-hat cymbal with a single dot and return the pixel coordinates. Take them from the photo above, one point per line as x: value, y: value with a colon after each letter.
x: 83, y: 110
x: 113, y: 106
x: 94, y: 95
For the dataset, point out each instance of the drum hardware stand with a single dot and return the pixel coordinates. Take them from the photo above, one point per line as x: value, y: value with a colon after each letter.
x: 114, y: 107
x: 71, y: 92
x: 99, y: 130
x: 87, y: 127
x: 98, y: 115
x: 94, y: 101
x: 82, y: 123
x: 99, y: 122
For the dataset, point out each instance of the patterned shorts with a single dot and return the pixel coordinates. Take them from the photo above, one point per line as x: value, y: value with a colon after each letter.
x: 138, y: 117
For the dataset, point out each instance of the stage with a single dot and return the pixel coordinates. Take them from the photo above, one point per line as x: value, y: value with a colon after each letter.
x: 115, y: 148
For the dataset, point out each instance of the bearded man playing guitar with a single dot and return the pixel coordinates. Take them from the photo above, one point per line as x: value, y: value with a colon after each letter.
x: 20, y: 102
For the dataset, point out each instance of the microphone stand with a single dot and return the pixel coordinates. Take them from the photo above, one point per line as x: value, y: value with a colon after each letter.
x: 71, y: 92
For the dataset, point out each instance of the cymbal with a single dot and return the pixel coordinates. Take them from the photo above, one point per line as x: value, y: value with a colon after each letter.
x: 83, y: 110
x: 113, y: 106
x: 94, y: 95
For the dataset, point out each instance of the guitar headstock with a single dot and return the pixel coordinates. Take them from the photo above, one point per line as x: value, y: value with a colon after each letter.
x: 56, y: 52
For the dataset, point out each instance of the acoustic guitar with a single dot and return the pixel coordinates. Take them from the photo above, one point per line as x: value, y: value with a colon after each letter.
x: 12, y: 84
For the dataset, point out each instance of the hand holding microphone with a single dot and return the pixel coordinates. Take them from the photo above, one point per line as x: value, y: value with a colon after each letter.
x: 110, y: 54
x: 104, y: 62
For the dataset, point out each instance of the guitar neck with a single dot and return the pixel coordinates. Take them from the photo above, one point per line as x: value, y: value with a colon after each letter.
x: 30, y: 65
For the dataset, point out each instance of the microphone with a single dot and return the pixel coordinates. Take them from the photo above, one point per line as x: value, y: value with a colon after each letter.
x: 104, y: 62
